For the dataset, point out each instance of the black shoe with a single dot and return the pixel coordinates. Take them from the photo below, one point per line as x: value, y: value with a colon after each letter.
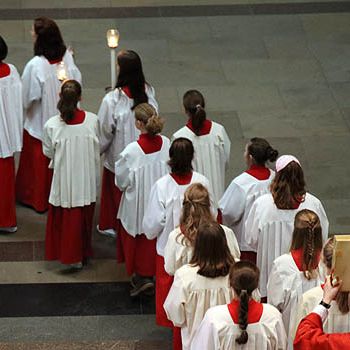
x: 142, y: 285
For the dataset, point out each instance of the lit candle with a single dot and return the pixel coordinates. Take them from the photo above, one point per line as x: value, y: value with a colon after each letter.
x: 61, y: 71
x: 113, y: 38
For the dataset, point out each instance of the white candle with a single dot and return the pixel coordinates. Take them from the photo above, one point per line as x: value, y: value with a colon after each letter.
x: 61, y: 71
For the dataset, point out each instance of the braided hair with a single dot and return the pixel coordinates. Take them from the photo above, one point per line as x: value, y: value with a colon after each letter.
x: 194, y: 105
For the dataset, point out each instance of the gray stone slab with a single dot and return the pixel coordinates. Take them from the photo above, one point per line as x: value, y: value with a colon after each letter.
x: 95, y: 76
x: 12, y: 31
x: 341, y: 93
x: 92, y: 98
x: 168, y: 99
x: 346, y: 115
x: 338, y: 211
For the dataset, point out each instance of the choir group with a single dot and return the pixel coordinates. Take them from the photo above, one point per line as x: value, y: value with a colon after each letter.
x: 210, y: 255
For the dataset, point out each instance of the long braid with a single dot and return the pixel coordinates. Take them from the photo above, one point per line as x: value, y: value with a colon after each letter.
x: 243, y: 317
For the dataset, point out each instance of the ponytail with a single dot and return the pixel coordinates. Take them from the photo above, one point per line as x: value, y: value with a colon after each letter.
x: 243, y: 317
x: 69, y: 97
x: 261, y: 151
x: 148, y: 116
x: 194, y: 104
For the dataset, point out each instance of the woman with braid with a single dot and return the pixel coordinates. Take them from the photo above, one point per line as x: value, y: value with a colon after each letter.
x: 244, y: 323
x: 294, y: 273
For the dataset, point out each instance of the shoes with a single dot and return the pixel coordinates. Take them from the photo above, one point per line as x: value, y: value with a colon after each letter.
x: 109, y: 232
x: 140, y: 285
x: 72, y: 268
x: 12, y: 229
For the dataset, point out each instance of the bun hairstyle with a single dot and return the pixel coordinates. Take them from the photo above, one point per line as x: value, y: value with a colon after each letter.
x: 194, y: 104
x: 181, y: 155
x: 195, y: 210
x: 131, y: 75
x: 69, y: 97
x: 49, y: 42
x: 342, y: 298
x: 211, y: 253
x: 288, y: 186
x: 307, y: 235
x: 146, y: 114
x: 261, y: 151
x: 244, y: 279
x: 3, y: 49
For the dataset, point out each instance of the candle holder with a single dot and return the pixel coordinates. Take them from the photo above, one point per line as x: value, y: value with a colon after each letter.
x: 113, y: 42
x: 61, y: 72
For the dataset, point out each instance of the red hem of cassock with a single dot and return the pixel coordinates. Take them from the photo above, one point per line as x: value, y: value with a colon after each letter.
x: 138, y: 253
x: 163, y: 285
x: 177, y: 340
x: 33, y: 180
x: 110, y: 200
x: 7, y: 192
x: 68, y: 233
x: 249, y: 256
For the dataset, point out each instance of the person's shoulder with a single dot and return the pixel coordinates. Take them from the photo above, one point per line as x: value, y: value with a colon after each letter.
x: 197, y: 177
x: 54, y: 121
x: 265, y: 200
x: 271, y: 312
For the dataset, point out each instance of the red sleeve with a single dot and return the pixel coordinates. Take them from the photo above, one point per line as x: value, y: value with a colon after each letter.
x: 219, y: 217
x: 310, y: 336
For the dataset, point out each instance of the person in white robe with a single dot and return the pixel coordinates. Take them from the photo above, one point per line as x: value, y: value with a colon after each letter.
x: 270, y: 223
x: 338, y: 320
x: 139, y: 166
x: 244, y: 323
x: 117, y: 130
x: 42, y: 78
x: 11, y: 131
x: 70, y: 140
x: 195, y: 210
x: 201, y: 284
x: 244, y: 189
x: 294, y: 273
x: 210, y: 141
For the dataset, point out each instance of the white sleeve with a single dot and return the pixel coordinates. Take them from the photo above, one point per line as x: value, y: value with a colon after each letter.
x: 206, y: 337
x: 48, y: 148
x: 232, y: 243
x: 324, y: 222
x: 107, y: 124
x: 170, y: 255
x: 281, y: 333
x: 213, y: 203
x: 154, y: 218
x: 252, y: 228
x: 32, y: 87
x: 232, y: 204
x: 123, y: 173
x: 227, y: 146
x: 174, y: 304
x: 276, y: 292
x: 152, y: 98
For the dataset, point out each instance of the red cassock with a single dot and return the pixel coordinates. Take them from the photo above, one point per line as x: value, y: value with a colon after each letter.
x: 310, y: 336
x: 7, y: 192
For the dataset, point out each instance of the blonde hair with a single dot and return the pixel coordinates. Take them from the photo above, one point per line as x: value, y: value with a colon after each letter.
x: 146, y: 114
x: 195, y: 210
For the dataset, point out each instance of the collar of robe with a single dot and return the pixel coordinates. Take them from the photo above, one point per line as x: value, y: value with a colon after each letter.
x: 205, y: 129
x: 183, y: 179
x: 4, y: 70
x: 260, y: 172
x: 255, y: 311
x: 150, y: 143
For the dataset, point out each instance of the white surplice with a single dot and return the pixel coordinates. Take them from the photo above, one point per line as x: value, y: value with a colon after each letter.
x: 178, y: 250
x: 190, y: 296
x: 237, y: 200
x: 117, y: 123
x: 218, y: 331
x: 211, y: 155
x: 135, y: 174
x: 268, y: 230
x: 163, y: 211
x: 41, y: 89
x: 75, y: 160
x: 285, y: 288
x: 11, y: 114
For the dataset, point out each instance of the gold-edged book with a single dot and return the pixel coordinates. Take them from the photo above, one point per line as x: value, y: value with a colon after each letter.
x: 341, y: 260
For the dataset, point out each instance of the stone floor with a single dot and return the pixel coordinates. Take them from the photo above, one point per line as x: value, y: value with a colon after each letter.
x: 282, y: 77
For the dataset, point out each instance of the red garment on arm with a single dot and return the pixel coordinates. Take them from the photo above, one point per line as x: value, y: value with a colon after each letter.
x: 310, y: 336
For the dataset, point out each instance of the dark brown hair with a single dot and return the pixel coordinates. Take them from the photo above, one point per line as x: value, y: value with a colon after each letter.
x: 261, y: 151
x: 49, y: 42
x: 211, y: 252
x: 307, y: 235
x: 194, y: 104
x: 131, y: 75
x: 146, y: 114
x: 342, y: 298
x: 69, y: 97
x: 3, y: 49
x: 244, y: 279
x: 181, y: 155
x: 288, y: 186
x: 195, y: 210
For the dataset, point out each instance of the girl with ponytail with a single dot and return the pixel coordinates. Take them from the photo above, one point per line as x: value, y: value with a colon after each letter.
x: 244, y: 323
x: 210, y: 141
x: 70, y: 140
x: 139, y: 166
x: 295, y: 273
x: 244, y: 189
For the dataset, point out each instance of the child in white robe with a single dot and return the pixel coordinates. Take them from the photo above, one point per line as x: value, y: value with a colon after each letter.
x: 244, y: 323
x: 117, y: 130
x: 338, y: 320
x: 41, y: 86
x: 210, y: 141
x: 163, y: 212
x: 270, y: 223
x: 70, y: 140
x: 244, y: 189
x: 195, y: 210
x: 11, y: 131
x: 201, y: 284
x: 139, y: 166
x: 294, y: 273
